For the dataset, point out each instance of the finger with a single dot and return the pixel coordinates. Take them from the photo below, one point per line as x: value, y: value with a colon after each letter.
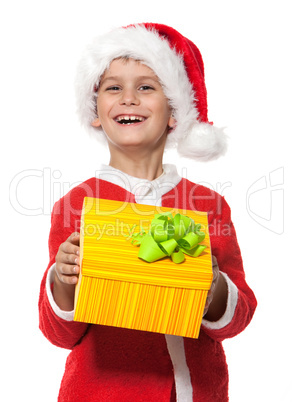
x: 65, y: 258
x: 69, y: 248
x: 214, y: 260
x: 74, y: 238
x: 216, y: 275
x: 68, y: 279
x: 67, y: 269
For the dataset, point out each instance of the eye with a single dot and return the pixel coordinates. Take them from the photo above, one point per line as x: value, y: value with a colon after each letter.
x: 146, y: 88
x: 113, y: 88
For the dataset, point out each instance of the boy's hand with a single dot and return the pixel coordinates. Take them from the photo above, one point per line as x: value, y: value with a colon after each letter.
x: 217, y: 296
x: 67, y: 260
x: 216, y: 274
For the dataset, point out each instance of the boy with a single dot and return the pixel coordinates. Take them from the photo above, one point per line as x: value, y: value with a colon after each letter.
x: 142, y: 88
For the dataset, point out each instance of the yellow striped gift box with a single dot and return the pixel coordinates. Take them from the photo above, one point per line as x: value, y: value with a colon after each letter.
x: 117, y: 288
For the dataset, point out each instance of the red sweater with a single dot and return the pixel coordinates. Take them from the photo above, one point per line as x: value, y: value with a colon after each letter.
x: 113, y: 364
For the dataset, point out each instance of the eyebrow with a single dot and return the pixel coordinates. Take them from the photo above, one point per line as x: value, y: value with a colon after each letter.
x: 140, y: 77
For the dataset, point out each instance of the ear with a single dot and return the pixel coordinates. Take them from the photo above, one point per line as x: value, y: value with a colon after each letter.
x: 171, y: 122
x: 96, y: 123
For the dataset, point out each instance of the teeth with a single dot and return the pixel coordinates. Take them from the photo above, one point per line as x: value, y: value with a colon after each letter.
x: 129, y: 118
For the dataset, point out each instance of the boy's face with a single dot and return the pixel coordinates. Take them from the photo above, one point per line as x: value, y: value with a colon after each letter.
x: 132, y: 108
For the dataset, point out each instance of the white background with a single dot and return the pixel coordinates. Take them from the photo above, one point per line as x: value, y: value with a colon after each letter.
x: 245, y: 46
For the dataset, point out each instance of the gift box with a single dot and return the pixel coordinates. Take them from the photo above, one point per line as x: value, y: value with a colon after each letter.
x: 117, y: 288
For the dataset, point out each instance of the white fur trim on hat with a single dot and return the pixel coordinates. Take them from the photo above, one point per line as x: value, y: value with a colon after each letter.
x: 147, y: 46
x: 204, y: 143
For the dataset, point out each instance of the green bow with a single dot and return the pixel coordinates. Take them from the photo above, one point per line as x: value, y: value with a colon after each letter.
x: 170, y: 236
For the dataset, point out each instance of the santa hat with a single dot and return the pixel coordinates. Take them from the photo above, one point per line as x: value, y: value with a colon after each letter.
x: 178, y: 64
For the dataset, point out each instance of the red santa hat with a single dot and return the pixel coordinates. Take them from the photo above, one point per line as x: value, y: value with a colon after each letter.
x: 178, y: 64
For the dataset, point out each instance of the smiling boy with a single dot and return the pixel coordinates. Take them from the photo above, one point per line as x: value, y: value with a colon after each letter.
x: 142, y: 88
x: 136, y: 117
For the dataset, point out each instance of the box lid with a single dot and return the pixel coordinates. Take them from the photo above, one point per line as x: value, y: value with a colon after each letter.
x: 107, y: 252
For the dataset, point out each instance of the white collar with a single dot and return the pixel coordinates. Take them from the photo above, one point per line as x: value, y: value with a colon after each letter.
x: 145, y: 191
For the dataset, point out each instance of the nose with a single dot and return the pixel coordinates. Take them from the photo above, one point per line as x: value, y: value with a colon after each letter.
x: 129, y: 97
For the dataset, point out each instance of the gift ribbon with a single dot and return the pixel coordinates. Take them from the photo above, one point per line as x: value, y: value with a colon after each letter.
x: 170, y: 236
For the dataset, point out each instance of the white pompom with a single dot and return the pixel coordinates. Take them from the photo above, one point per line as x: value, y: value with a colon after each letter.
x: 204, y: 143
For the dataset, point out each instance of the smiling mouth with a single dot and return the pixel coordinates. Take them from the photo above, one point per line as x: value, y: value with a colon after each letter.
x: 126, y: 119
